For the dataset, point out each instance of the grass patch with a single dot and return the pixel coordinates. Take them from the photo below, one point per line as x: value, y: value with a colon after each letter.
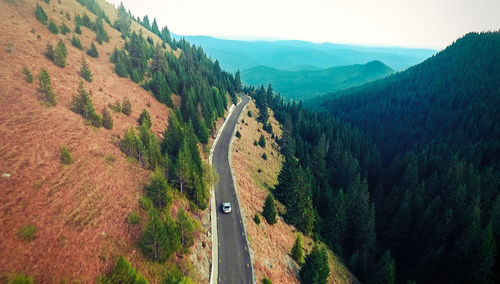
x: 27, y: 232
x: 65, y: 156
x: 110, y: 159
x: 133, y: 218
x: 21, y: 279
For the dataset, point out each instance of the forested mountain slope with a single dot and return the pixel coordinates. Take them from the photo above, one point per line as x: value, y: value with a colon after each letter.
x: 437, y: 200
x: 454, y: 95
x: 304, y: 85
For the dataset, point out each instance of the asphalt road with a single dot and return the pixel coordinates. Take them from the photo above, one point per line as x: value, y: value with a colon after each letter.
x: 234, y: 258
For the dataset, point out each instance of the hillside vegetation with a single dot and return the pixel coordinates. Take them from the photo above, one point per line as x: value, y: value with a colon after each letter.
x: 437, y: 200
x: 294, y: 55
x: 102, y: 123
x: 304, y: 85
x: 256, y: 177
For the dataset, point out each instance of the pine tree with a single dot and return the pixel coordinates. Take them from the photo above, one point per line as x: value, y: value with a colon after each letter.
x: 145, y: 22
x: 82, y: 104
x: 125, y: 273
x: 93, y: 51
x: 297, y: 251
x: 154, y: 28
x: 159, y: 64
x: 85, y: 71
x: 262, y: 141
x: 27, y: 75
x: 107, y: 120
x: 386, y: 270
x: 75, y: 41
x: 237, y: 81
x: 60, y: 53
x: 78, y: 29
x: 53, y: 27
x: 158, y: 190
x: 40, y: 14
x: 186, y: 227
x: 336, y: 222
x: 64, y: 29
x: 315, y: 268
x: 126, y: 107
x: 46, y: 88
x: 145, y: 118
x: 123, y: 21
x: 160, y: 239
x: 269, y: 211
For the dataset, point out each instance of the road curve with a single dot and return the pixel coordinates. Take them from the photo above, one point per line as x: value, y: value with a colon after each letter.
x: 234, y: 258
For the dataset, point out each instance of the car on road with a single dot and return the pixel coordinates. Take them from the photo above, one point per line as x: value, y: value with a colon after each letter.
x: 226, y: 207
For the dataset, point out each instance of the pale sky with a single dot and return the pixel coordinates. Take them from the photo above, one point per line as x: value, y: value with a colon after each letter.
x: 409, y: 23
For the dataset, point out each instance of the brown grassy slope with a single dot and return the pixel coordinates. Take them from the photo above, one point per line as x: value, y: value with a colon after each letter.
x: 79, y: 209
x: 271, y: 245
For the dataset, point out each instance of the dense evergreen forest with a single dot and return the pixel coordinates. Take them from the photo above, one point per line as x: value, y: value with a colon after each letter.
x: 401, y: 176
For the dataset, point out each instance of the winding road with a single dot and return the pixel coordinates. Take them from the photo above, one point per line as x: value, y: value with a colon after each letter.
x: 234, y: 265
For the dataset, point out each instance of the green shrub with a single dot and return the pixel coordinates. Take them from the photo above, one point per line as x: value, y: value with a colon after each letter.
x: 126, y: 107
x: 124, y: 272
x: 145, y: 118
x: 145, y: 203
x: 264, y: 156
x: 256, y: 219
x: 107, y: 120
x: 133, y: 218
x: 85, y: 71
x: 249, y: 113
x: 117, y: 107
x: 262, y: 141
x: 75, y: 41
x: 40, y: 14
x: 47, y: 1
x: 93, y: 51
x: 65, y: 156
x: 53, y: 27
x: 64, y: 29
x: 266, y: 281
x: 21, y: 279
x: 27, y: 232
x: 238, y: 134
x: 49, y: 51
x: 46, y: 88
x: 82, y: 105
x: 78, y: 29
x: 255, y: 143
x: 27, y: 75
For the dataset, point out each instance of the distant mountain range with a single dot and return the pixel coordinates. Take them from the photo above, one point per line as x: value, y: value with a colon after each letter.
x: 311, y: 82
x: 296, y: 55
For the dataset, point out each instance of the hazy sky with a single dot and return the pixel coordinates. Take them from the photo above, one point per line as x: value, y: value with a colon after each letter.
x: 415, y: 23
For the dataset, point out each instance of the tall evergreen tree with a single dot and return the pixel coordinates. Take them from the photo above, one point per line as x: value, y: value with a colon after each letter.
x: 269, y: 211
x: 386, y: 270
x: 85, y: 71
x: 297, y: 251
x: 123, y: 21
x: 315, y: 268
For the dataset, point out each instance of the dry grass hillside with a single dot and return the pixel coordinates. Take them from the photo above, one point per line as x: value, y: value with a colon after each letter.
x: 271, y: 244
x: 80, y: 209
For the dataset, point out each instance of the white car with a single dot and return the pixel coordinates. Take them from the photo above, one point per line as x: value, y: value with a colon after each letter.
x: 226, y: 207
